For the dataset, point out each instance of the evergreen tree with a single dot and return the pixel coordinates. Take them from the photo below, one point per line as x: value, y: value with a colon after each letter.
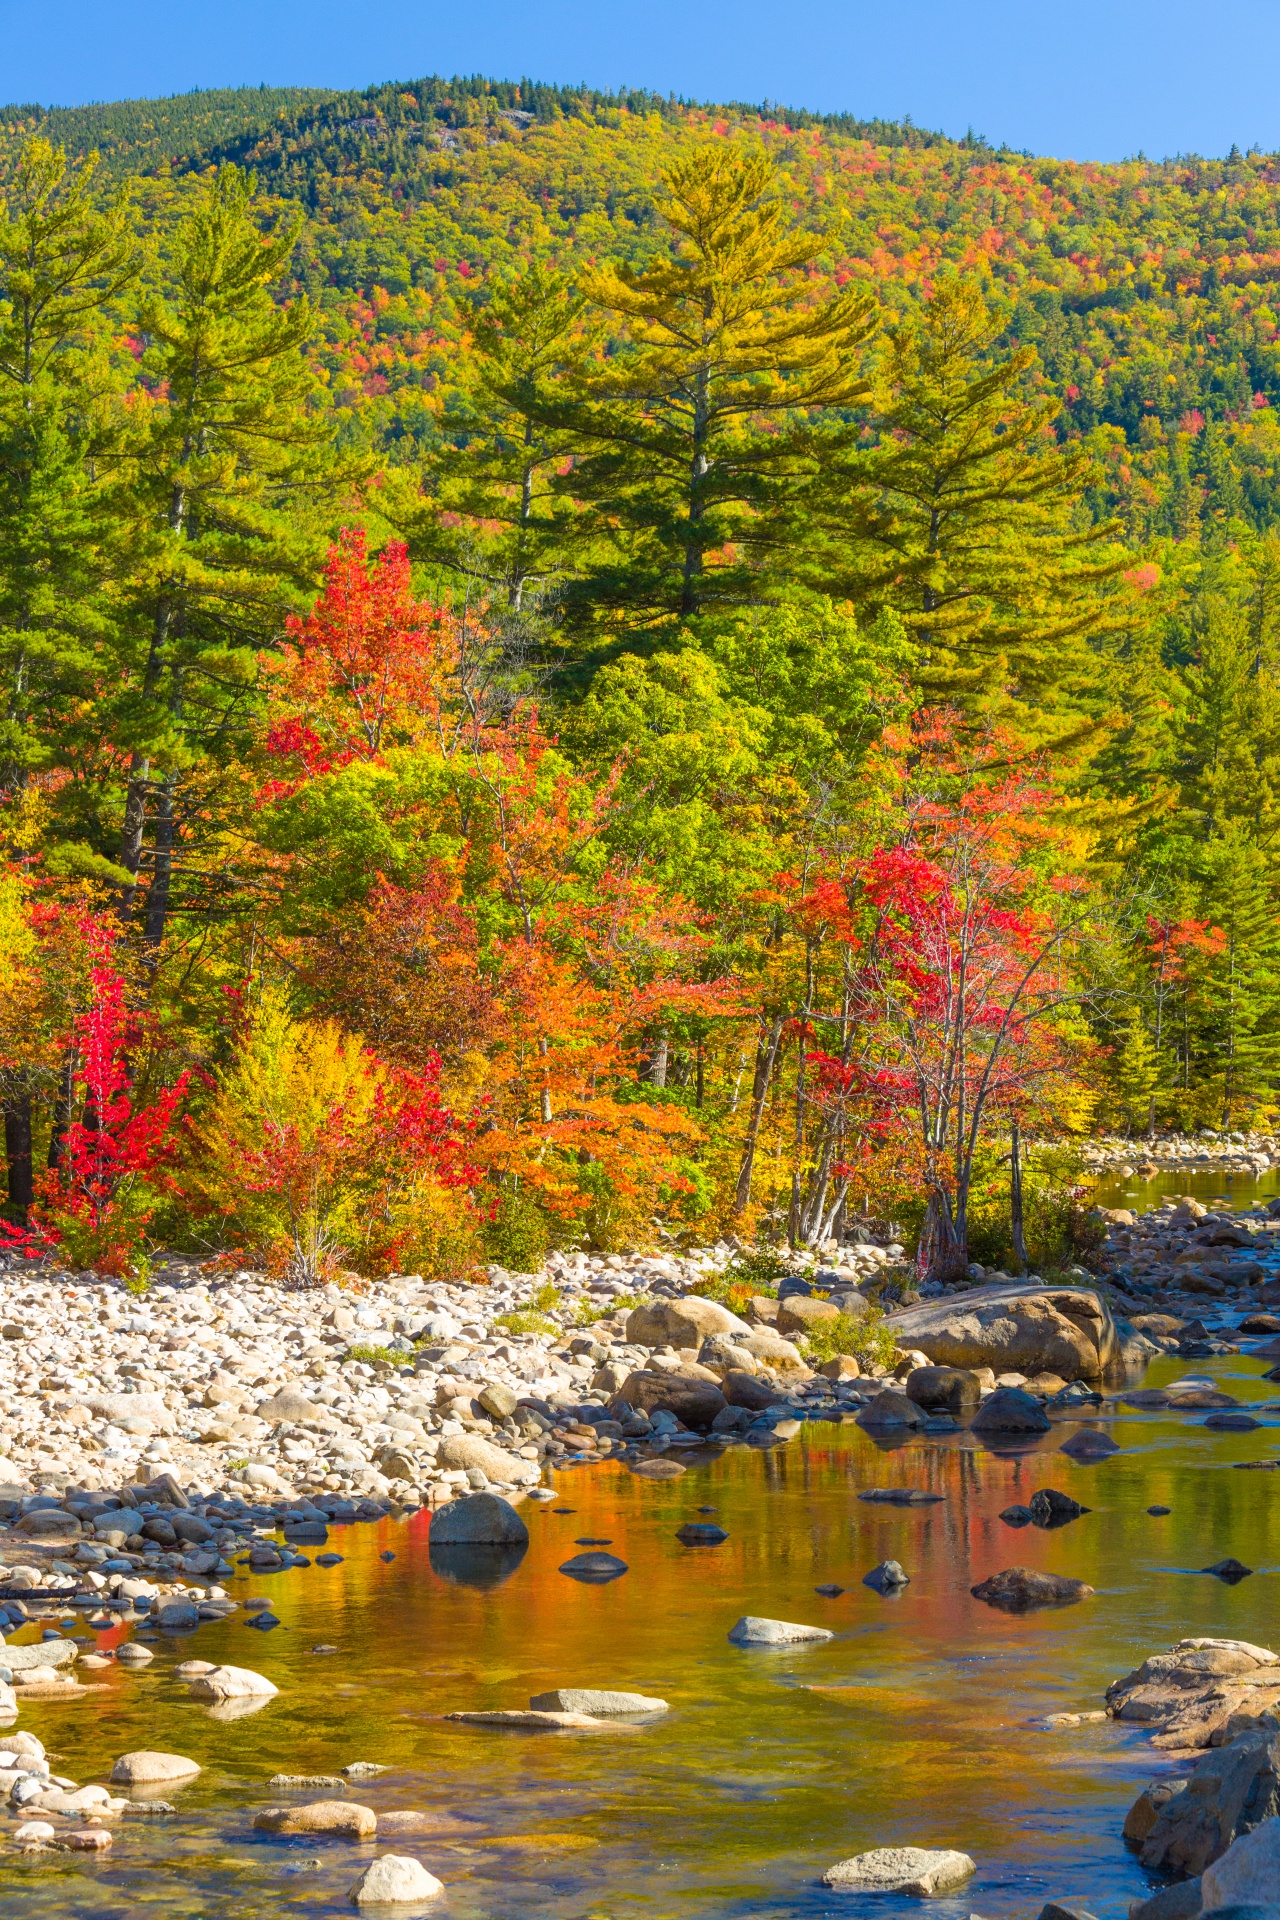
x: 491, y: 513
x: 693, y: 425
x: 231, y: 460
x: 961, y: 516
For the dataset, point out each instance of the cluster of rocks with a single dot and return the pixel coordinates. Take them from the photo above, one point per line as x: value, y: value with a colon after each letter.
x: 1183, y: 1249
x: 1241, y: 1152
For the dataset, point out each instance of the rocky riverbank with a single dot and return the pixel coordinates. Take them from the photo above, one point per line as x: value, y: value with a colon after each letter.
x: 1115, y: 1156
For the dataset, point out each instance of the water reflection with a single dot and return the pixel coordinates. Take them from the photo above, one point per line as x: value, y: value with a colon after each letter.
x: 914, y: 1725
x: 475, y: 1566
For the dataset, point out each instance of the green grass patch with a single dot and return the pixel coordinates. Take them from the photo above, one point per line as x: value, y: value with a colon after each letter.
x: 585, y: 1314
x: 868, y: 1340
x: 524, y: 1321
x: 373, y: 1356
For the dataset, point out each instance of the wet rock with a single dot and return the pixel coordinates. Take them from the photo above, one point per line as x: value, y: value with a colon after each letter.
x: 594, y: 1700
x: 1200, y: 1400
x: 1049, y: 1508
x: 45, y: 1653
x: 747, y: 1393
x: 900, y: 1497
x: 754, y: 1631
x: 1010, y: 1410
x: 953, y: 1390
x: 1159, y: 1511
x: 1232, y: 1572
x: 1190, y: 1693
x: 1016, y: 1516
x: 1232, y: 1422
x: 306, y: 1782
x: 888, y: 1577
x: 1089, y: 1445
x: 830, y: 1591
x: 695, y: 1403
x: 922, y: 1871
x: 1025, y: 1329
x: 1147, y: 1808
x: 1248, y: 1873
x: 175, y: 1613
x: 231, y: 1683
x: 1231, y: 1791
x: 394, y: 1879
x: 694, y: 1534
x: 444, y: 1826
x: 1021, y: 1589
x: 345, y: 1819
x: 87, y: 1840
x: 536, y: 1721
x: 658, y: 1469
x: 478, y: 1519
x: 594, y: 1569
x: 131, y: 1654
x: 1055, y: 1910
x: 146, y: 1768
x: 1179, y: 1902
x: 890, y: 1409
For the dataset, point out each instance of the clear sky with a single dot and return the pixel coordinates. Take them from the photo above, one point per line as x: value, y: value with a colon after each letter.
x: 1094, y: 79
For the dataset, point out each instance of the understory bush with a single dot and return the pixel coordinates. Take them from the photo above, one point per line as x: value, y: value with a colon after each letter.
x: 867, y: 1340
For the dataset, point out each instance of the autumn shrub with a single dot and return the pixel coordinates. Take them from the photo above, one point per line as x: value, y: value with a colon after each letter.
x: 519, y: 1233
x: 316, y: 1157
x: 1056, y: 1220
x: 754, y: 1271
x: 869, y: 1340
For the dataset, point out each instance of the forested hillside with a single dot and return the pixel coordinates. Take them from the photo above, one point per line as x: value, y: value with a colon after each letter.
x: 789, y: 695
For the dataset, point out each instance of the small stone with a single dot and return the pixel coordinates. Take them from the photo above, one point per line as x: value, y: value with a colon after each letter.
x: 394, y: 1879
x: 1019, y: 1589
x: 33, y: 1831
x: 755, y: 1631
x: 888, y: 1577
x: 536, y: 1721
x: 594, y: 1569
x: 86, y: 1840
x: 1229, y: 1570
x: 131, y: 1654
x: 231, y: 1683
x: 306, y: 1782
x: 1159, y: 1512
x: 1089, y: 1444
x: 693, y: 1534
x: 830, y: 1592
x: 1049, y: 1508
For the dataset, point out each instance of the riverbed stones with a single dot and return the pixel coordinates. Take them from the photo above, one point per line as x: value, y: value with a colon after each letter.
x: 747, y: 1392
x: 953, y: 1390
x: 1248, y: 1873
x: 755, y: 1631
x: 1025, y: 1329
x: 147, y: 1768
x: 499, y: 1401
x: 1190, y: 1693
x: 539, y: 1721
x: 394, y: 1879
x: 45, y: 1653
x: 478, y: 1520
x: 231, y: 1683
x: 1010, y: 1410
x: 922, y: 1871
x: 343, y: 1819
x: 600, y: 1701
x: 1231, y: 1791
x: 1022, y: 1589
x: 695, y: 1403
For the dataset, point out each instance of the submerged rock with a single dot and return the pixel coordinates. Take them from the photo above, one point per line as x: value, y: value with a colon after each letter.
x: 1020, y: 1589
x: 594, y: 1569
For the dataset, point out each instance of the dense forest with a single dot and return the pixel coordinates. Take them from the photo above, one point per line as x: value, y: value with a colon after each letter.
x: 577, y: 664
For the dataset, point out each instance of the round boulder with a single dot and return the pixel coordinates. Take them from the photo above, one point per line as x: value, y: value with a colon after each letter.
x: 344, y: 1818
x: 394, y: 1879
x: 478, y: 1520
x: 799, y: 1314
x: 694, y: 1402
x: 890, y: 1409
x: 1020, y: 1589
x: 1010, y: 1410
x: 686, y: 1322
x: 148, y: 1769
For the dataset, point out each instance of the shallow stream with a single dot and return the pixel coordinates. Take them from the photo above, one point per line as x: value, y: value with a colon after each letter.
x: 913, y: 1726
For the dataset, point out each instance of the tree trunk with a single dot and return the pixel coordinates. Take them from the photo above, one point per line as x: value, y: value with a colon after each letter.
x: 659, y: 1060
x: 17, y: 1153
x: 62, y: 1110
x: 162, y: 871
x: 766, y: 1060
x: 135, y: 821
x: 943, y: 1254
x: 1015, y: 1201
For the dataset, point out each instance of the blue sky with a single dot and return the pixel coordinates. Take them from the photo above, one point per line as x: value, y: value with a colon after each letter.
x: 1096, y: 79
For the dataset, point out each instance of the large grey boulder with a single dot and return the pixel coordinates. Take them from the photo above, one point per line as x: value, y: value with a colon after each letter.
x: 478, y: 1520
x: 1248, y: 1873
x: 1231, y: 1791
x: 953, y: 1390
x: 1016, y: 1329
x: 463, y: 1450
x: 694, y: 1402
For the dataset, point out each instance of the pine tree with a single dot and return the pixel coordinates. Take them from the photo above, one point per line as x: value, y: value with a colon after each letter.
x: 231, y: 461
x: 491, y: 514
x: 694, y: 423
x: 961, y: 516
